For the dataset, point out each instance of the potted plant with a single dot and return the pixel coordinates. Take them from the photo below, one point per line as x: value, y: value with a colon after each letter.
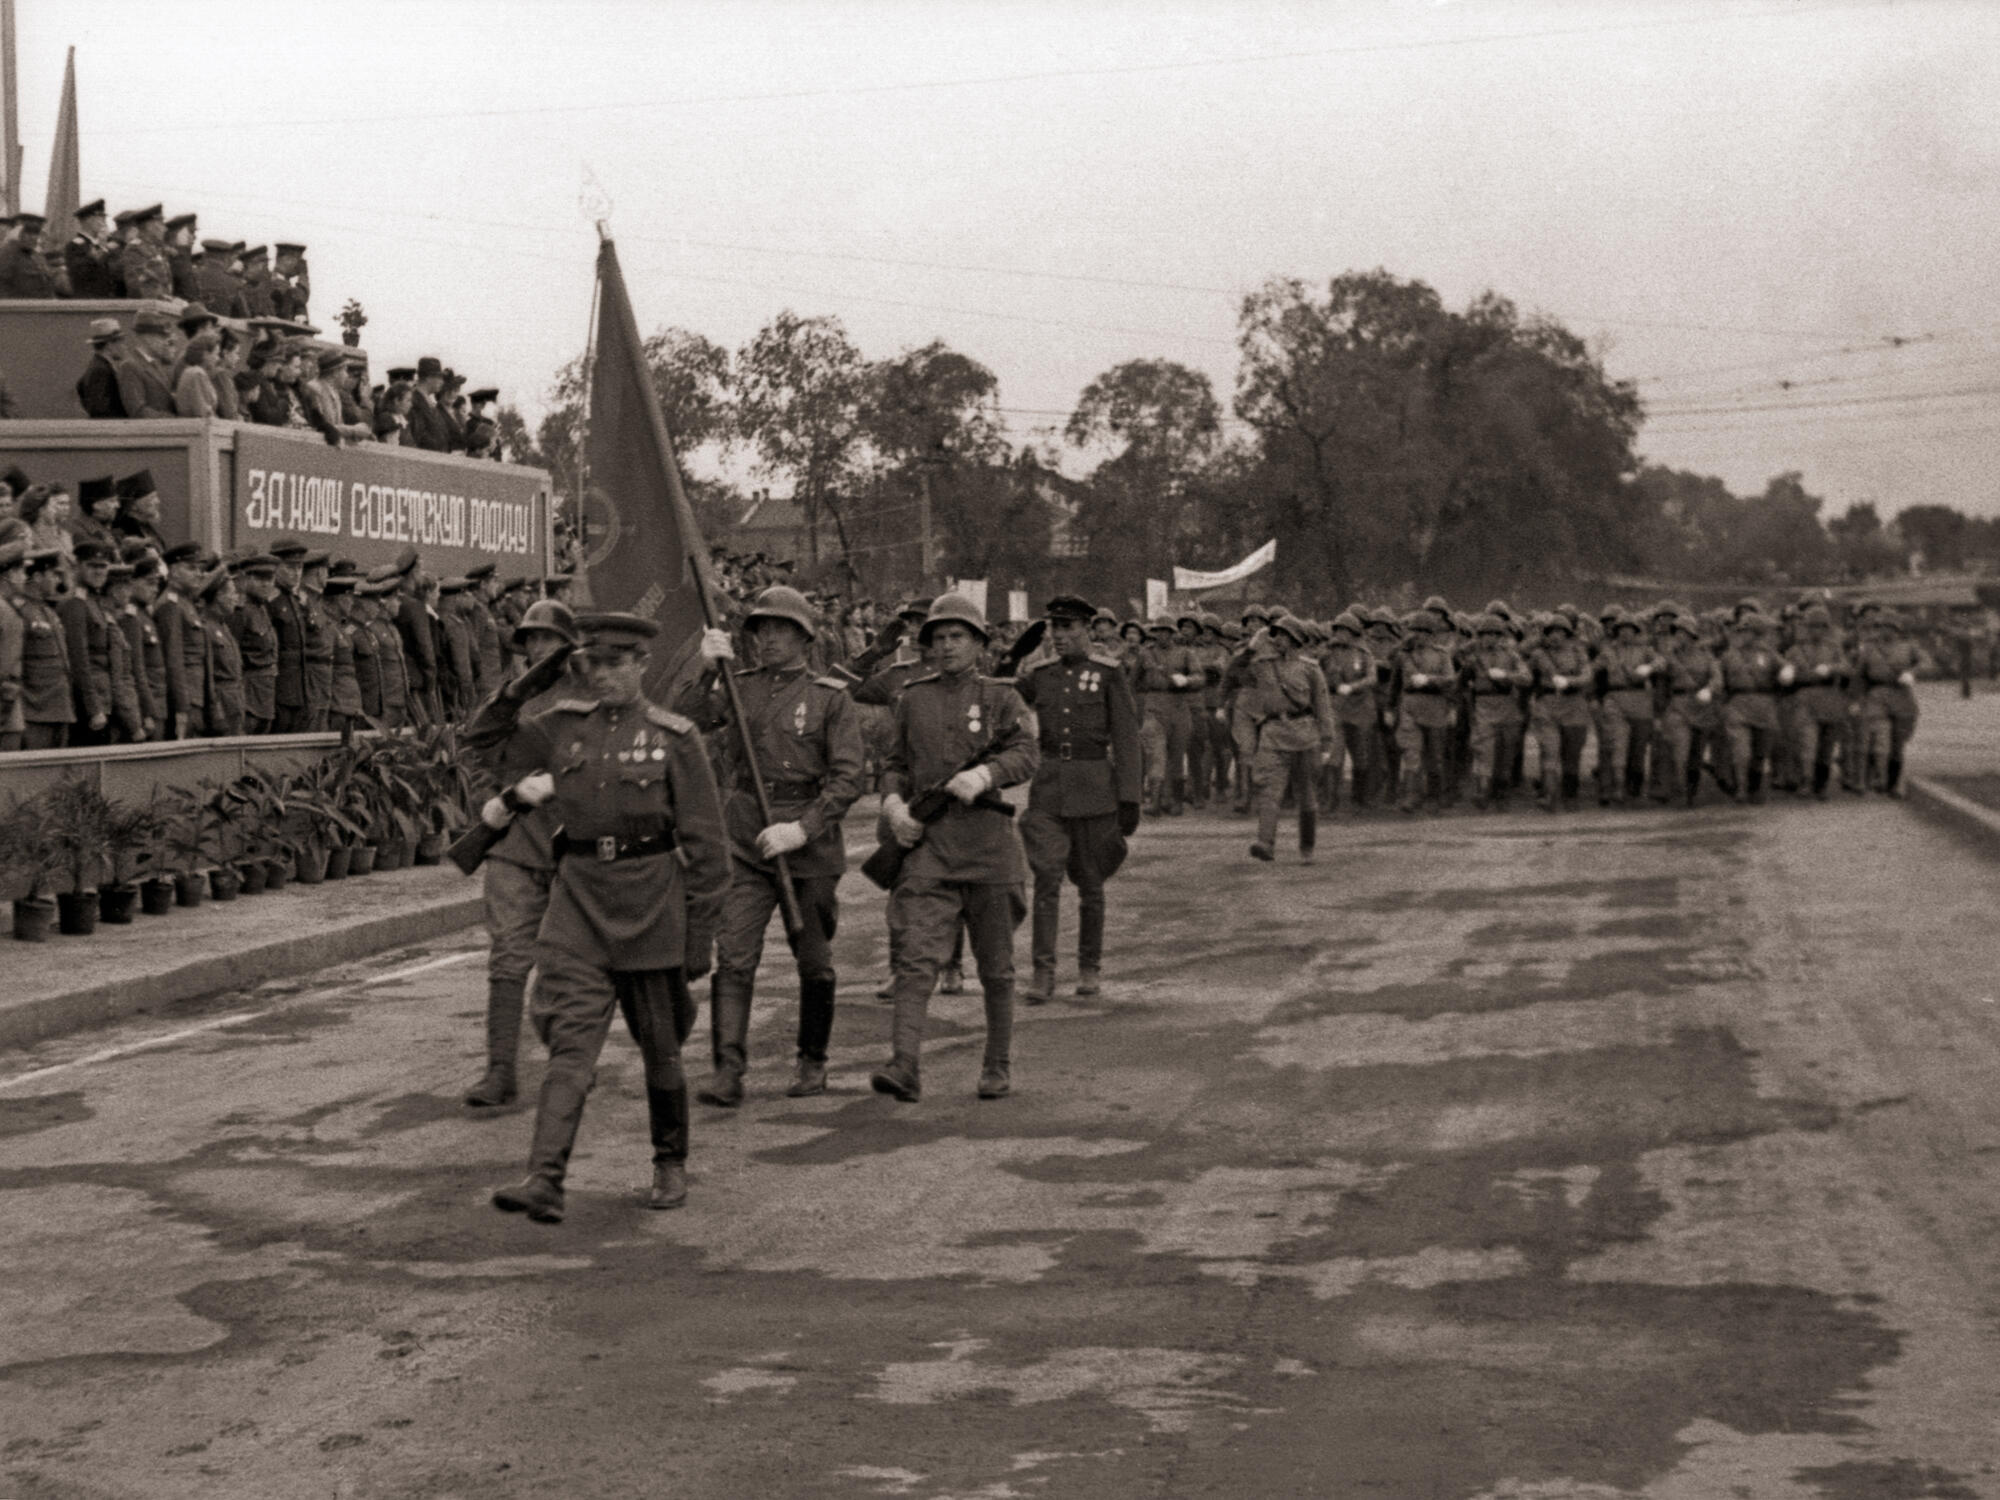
x: 190, y: 842
x: 402, y: 797
x: 132, y: 836
x: 78, y: 820
x: 28, y: 854
x: 268, y: 856
x: 447, y: 791
x: 363, y: 801
x: 314, y: 820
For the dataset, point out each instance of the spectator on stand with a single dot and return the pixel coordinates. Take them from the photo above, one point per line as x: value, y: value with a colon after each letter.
x: 321, y: 391
x: 291, y: 283
x: 143, y: 375
x: 89, y: 258
x: 139, y: 510
x: 429, y: 428
x: 143, y: 263
x: 182, y: 254
x: 97, y: 513
x: 220, y: 287
x: 194, y: 391
x: 279, y: 403
x: 392, y: 414
x: 227, y: 366
x: 258, y: 301
x: 22, y: 271
x: 97, y: 387
x: 46, y: 509
x: 351, y: 381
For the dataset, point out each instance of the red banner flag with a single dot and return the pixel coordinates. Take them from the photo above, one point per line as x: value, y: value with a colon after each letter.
x: 65, y: 170
x: 641, y: 544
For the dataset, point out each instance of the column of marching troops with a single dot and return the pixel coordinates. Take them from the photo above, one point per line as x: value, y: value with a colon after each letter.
x: 121, y: 642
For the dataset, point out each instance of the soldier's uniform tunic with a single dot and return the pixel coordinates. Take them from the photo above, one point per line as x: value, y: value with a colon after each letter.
x: 1294, y: 717
x: 1560, y: 716
x: 1888, y: 708
x: 344, y: 703
x: 146, y: 271
x: 12, y: 632
x: 149, y: 665
x: 1626, y: 669
x: 393, y: 672
x: 808, y: 741
x: 185, y: 643
x: 1691, y: 671
x: 1495, y: 712
x: 225, y: 674
x: 47, y: 706
x: 1822, y: 671
x: 87, y: 643
x: 1426, y: 678
x: 257, y: 647
x: 123, y: 667
x: 1750, y: 714
x: 1349, y: 665
x: 1164, y: 707
x: 1090, y: 763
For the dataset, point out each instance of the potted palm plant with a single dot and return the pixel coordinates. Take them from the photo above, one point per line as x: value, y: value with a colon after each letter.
x: 228, y: 826
x: 132, y: 836
x: 190, y: 842
x: 447, y: 792
x: 268, y: 851
x: 78, y: 819
x: 28, y: 854
x: 314, y: 820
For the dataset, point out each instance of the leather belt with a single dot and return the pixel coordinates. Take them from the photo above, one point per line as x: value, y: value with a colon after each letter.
x: 787, y: 791
x: 1077, y: 752
x: 608, y: 849
x: 1304, y: 713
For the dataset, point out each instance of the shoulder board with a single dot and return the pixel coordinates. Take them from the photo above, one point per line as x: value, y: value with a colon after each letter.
x: 838, y: 684
x: 666, y: 718
x: 573, y: 706
x: 1105, y: 659
x: 927, y: 677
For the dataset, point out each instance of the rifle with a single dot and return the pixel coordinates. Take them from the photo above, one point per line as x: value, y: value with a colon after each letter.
x: 885, y: 866
x: 501, y: 713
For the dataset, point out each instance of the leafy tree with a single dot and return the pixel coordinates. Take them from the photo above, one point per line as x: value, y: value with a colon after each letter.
x: 691, y: 374
x: 1941, y: 536
x: 933, y: 424
x: 801, y: 387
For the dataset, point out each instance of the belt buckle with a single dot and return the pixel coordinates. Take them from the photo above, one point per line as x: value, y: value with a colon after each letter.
x: 607, y: 849
x: 1063, y: 753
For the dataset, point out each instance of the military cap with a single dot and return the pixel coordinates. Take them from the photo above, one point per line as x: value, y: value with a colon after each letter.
x: 480, y: 572
x: 183, y: 221
x: 288, y: 549
x: 914, y: 609
x: 314, y: 560
x: 194, y: 315
x: 13, y: 554
x: 405, y: 561
x: 1348, y: 621
x: 210, y: 582
x: 151, y: 320
x: 259, y: 565
x: 255, y: 252
x: 284, y: 247
x: 94, y: 209
x: 40, y: 559
x: 450, y: 586
x: 485, y: 394
x: 780, y: 602
x: 616, y: 631
x: 30, y: 221
x: 219, y: 247
x: 401, y: 372
x: 182, y: 552
x: 551, y: 615
x: 137, y: 485
x: 1070, y: 608
x: 428, y: 366
x: 150, y: 211
x: 344, y: 584
x: 119, y: 573
x: 135, y: 548
x: 522, y: 581
x: 90, y: 491
x: 345, y: 567
x: 106, y: 330
x: 91, y: 552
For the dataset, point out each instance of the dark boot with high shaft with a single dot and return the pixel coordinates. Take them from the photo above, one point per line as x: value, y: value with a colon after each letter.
x: 503, y: 1044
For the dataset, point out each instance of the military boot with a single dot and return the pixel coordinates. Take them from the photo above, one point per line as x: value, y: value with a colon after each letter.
x: 816, y: 997
x: 995, y: 1070
x: 557, y: 1115
x: 503, y: 1041
x: 808, y: 1079
x: 898, y: 1077
x: 537, y: 1197
x: 667, y: 1116
x: 951, y: 980
x: 729, y: 1026
x: 1042, y: 988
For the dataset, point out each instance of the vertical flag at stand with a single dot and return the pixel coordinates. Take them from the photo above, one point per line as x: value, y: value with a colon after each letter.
x: 641, y: 543
x: 65, y: 169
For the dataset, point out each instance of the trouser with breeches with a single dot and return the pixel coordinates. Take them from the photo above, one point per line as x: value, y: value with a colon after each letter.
x: 516, y: 898
x: 572, y: 1011
x: 1271, y: 772
x: 739, y: 948
x: 1082, y: 849
x: 1495, y: 733
x: 931, y: 913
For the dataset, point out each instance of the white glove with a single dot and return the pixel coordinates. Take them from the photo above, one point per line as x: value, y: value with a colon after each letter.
x: 1908, y: 679
x: 1644, y: 670
x: 907, y: 830
x: 717, y: 646
x: 1179, y: 679
x: 536, y: 789
x: 1787, y: 673
x: 1559, y: 680
x: 781, y: 838
x: 967, y: 785
x: 1418, y: 679
x: 1704, y: 696
x: 1824, y: 670
x: 1344, y: 689
x: 495, y: 814
x: 1498, y: 674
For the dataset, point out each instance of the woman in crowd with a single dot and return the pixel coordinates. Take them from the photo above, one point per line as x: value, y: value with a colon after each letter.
x: 46, y: 507
x: 195, y: 392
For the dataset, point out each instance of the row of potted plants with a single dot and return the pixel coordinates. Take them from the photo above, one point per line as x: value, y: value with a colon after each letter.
x: 376, y: 803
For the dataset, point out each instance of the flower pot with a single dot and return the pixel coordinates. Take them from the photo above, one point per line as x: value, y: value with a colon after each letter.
x: 277, y: 871
x: 393, y: 855
x: 337, y: 861
x: 115, y: 904
x: 156, y: 896
x: 309, y: 866
x: 33, y: 918
x: 224, y: 883
x: 430, y: 849
x: 363, y: 861
x: 190, y: 886
x: 76, y: 913
x: 255, y: 874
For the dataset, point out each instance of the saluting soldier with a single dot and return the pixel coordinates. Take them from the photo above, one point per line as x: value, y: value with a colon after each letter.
x: 89, y: 257
x: 1083, y: 803
x: 257, y: 641
x: 87, y: 632
x: 519, y: 868
x: 1750, y: 672
x: 1626, y: 667
x: 143, y: 265
x: 182, y: 257
x: 1495, y: 672
x: 23, y: 274
x: 219, y: 598
x: 1560, y: 716
x: 1288, y: 701
x: 966, y: 736
x: 808, y: 741
x: 1885, y: 678
x: 13, y: 633
x: 642, y: 837
x: 217, y: 287
x: 184, y: 642
x: 47, y: 698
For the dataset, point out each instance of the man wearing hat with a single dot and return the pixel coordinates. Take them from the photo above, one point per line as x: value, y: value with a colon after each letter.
x: 143, y: 264
x: 458, y: 687
x: 291, y: 282
x: 807, y: 736
x: 87, y: 633
x: 642, y: 841
x: 97, y: 388
x: 489, y: 656
x: 89, y: 259
x: 415, y: 623
x: 13, y: 638
x: 216, y: 285
x: 144, y: 383
x: 1349, y: 669
x: 132, y: 595
x: 519, y: 869
x: 1560, y: 711
x: 1750, y: 682
x: 877, y: 698
x: 1083, y: 802
x: 1818, y: 671
x: 1170, y: 679
x: 1424, y: 699
x: 257, y: 640
x: 184, y: 642
x: 337, y: 599
x: 965, y: 866
x: 47, y: 697
x: 428, y: 427
x: 1692, y: 682
x: 97, y: 513
x: 138, y: 516
x: 217, y: 595
x: 1885, y: 678
x: 1627, y: 666
x: 1494, y: 672
x: 1288, y: 702
x: 377, y: 598
x: 23, y: 273
x: 182, y: 252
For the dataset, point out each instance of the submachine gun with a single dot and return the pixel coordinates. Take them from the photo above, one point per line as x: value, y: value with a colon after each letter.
x: 885, y: 866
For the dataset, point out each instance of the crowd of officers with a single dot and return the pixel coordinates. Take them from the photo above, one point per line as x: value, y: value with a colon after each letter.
x: 118, y: 642
x: 144, y: 254
x: 1428, y: 706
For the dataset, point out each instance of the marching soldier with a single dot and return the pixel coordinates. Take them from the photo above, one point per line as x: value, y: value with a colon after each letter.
x: 642, y: 838
x: 1886, y: 679
x: 966, y: 737
x: 1349, y: 669
x: 1560, y: 716
x: 808, y: 741
x: 218, y: 598
x: 1691, y: 682
x: 257, y: 641
x: 1750, y: 672
x: 1083, y: 802
x: 185, y: 643
x: 1495, y: 672
x: 1627, y: 665
x: 1818, y: 671
x: 1295, y: 734
x: 1383, y: 635
x: 1426, y: 679
x: 47, y: 699
x: 520, y: 868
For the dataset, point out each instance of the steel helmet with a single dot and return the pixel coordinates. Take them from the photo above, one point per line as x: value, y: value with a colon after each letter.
x: 551, y: 615
x: 781, y: 603
x: 954, y: 609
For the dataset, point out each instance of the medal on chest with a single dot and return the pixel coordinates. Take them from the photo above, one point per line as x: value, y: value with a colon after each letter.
x: 972, y: 719
x: 799, y: 717
x: 1088, y: 681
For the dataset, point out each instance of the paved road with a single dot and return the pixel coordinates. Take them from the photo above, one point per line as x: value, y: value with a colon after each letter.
x: 1517, y: 1157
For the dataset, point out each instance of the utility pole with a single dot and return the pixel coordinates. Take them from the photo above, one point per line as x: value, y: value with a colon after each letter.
x: 927, y: 542
x: 12, y: 143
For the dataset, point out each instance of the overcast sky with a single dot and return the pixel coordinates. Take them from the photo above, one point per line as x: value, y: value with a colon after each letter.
x: 1726, y: 194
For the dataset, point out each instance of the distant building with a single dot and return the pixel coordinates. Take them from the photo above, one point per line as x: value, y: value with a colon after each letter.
x: 772, y: 525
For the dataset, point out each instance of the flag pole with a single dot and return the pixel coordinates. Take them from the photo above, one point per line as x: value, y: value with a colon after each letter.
x: 788, y: 901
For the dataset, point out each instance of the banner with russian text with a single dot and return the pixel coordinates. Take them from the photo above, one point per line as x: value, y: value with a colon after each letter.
x: 1187, y: 580
x: 370, y: 501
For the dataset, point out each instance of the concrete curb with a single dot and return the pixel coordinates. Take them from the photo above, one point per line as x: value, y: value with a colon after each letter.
x: 53, y: 1015
x: 1961, y: 814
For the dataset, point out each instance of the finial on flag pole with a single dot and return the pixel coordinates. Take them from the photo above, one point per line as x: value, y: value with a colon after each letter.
x: 595, y: 204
